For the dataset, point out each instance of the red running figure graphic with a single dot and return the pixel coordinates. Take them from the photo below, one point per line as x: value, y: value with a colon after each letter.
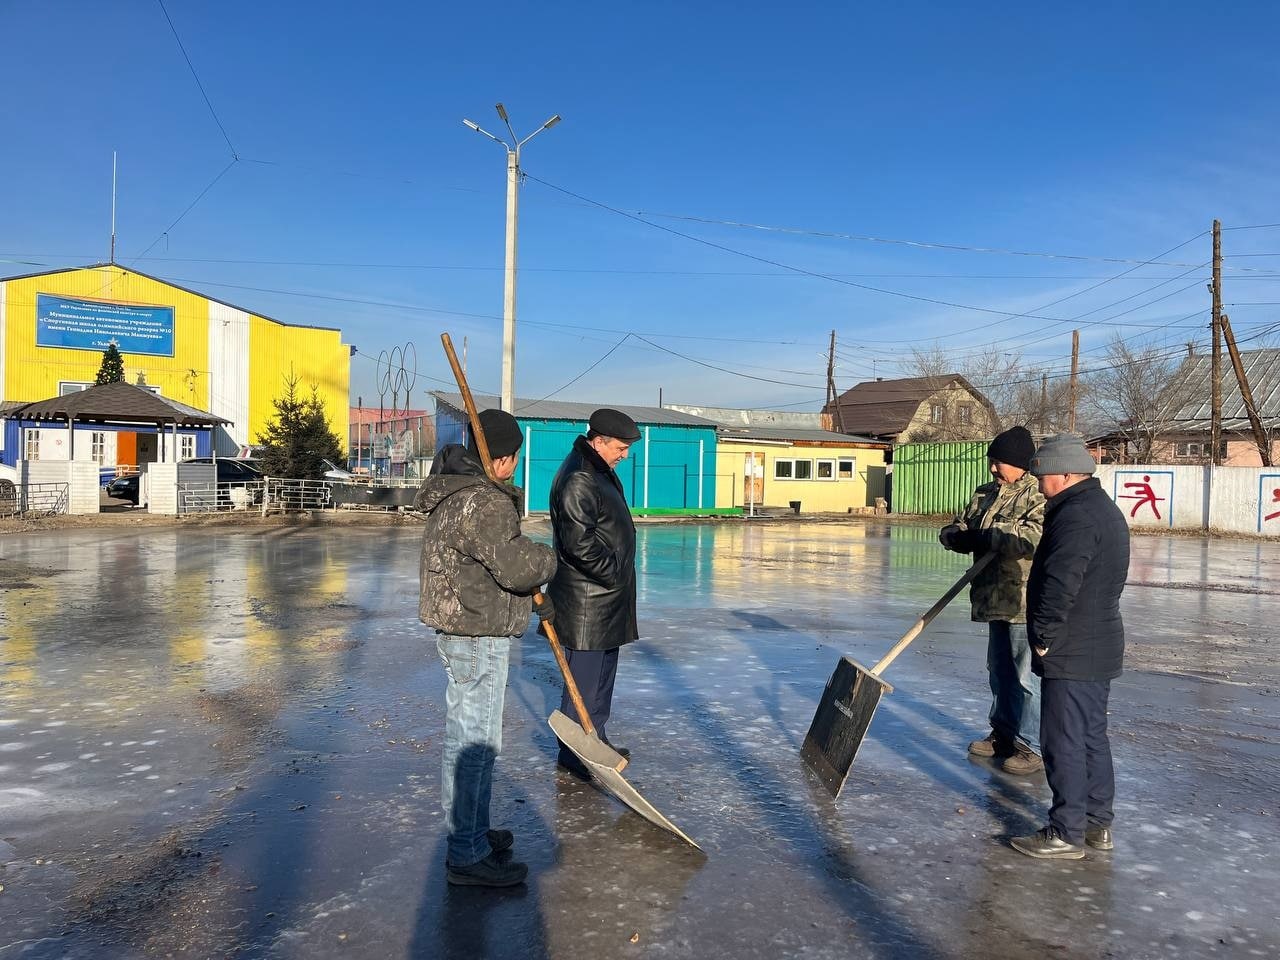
x: 1275, y: 498
x: 1145, y: 496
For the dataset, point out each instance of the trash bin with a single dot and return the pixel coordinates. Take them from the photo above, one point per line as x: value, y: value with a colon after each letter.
x: 795, y: 506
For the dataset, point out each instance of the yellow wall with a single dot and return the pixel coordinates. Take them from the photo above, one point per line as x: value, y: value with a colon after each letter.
x: 311, y: 355
x: 33, y: 372
x: 816, y: 496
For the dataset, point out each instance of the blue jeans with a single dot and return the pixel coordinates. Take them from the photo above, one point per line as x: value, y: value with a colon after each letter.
x: 1015, y: 690
x: 477, y: 669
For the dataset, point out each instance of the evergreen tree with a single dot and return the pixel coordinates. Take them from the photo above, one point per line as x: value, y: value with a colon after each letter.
x: 112, y: 369
x: 296, y: 439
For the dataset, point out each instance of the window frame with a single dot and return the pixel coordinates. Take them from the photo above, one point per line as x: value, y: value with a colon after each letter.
x: 937, y: 413
x: 793, y: 464
x: 186, y: 446
x: 30, y: 443
x: 853, y: 468
x: 98, y: 447
x: 817, y: 469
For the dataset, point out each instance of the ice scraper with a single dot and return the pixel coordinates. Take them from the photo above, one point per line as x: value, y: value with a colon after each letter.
x: 852, y: 695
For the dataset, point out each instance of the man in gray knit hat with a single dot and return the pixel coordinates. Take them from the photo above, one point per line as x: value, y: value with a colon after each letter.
x: 1077, y: 644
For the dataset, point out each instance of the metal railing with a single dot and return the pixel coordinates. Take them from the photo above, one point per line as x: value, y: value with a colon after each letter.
x: 31, y: 501
x: 208, y: 497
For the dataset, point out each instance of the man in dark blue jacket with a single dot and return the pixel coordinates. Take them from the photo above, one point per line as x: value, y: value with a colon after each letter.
x: 1077, y: 643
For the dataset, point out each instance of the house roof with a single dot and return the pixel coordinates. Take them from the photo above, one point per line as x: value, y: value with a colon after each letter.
x: 885, y: 407
x: 565, y: 410
x: 117, y: 402
x: 739, y: 424
x: 1261, y: 368
x: 168, y: 283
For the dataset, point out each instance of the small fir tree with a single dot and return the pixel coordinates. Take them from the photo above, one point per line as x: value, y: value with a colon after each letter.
x: 298, y: 437
x: 112, y: 369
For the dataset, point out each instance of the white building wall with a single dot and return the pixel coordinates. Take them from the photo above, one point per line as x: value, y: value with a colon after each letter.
x: 1246, y: 500
x: 229, y: 375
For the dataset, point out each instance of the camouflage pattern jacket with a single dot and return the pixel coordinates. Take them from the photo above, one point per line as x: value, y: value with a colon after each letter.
x: 478, y: 571
x: 1014, y: 512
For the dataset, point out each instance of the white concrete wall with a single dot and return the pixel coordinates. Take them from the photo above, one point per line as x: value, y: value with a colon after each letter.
x: 1246, y: 500
x: 1231, y: 499
x: 44, y: 471
x: 84, y: 489
x: 160, y: 484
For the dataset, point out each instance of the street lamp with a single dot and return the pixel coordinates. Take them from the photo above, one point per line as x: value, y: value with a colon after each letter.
x: 509, y: 286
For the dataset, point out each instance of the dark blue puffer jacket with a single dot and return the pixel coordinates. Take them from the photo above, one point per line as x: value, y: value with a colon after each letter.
x: 1073, y: 590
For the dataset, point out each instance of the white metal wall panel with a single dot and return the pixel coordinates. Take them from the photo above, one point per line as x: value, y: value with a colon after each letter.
x: 84, y: 488
x: 229, y: 374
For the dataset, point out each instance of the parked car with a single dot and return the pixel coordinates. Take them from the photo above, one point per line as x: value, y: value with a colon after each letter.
x: 231, y: 470
x: 124, y: 488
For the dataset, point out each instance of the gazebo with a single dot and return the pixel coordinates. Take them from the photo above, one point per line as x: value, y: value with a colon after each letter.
x: 115, y: 406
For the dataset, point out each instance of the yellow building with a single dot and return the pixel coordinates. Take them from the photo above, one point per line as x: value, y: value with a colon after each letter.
x: 181, y: 344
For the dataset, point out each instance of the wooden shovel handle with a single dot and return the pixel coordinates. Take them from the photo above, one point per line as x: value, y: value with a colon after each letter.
x: 570, y: 684
x: 978, y: 566
x: 482, y: 448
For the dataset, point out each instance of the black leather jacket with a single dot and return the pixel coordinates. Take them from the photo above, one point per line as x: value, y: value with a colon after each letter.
x: 594, y: 589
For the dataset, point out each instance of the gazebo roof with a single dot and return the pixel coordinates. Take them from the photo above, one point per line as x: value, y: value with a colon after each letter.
x: 114, y: 402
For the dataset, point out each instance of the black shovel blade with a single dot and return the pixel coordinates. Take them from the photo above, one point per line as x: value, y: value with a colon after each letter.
x: 841, y: 721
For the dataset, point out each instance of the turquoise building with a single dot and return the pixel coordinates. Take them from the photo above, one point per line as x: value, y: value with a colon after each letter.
x: 670, y: 469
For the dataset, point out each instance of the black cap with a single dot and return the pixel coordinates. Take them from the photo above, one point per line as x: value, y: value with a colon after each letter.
x: 501, y: 433
x: 614, y: 423
x: 1014, y: 447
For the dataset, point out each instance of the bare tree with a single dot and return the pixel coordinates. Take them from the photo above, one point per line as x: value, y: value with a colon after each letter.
x: 1137, y: 393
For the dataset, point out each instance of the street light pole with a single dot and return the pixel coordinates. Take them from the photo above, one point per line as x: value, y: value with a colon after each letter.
x: 509, y: 282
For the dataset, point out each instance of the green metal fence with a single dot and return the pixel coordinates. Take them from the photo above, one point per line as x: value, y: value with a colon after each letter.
x: 930, y: 478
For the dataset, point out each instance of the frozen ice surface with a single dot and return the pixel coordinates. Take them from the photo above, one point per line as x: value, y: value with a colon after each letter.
x: 223, y: 742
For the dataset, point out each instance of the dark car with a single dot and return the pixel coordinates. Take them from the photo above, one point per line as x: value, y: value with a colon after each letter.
x: 232, y: 470
x: 124, y: 488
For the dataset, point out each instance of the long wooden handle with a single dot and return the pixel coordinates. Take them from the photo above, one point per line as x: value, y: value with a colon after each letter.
x: 482, y: 448
x: 978, y: 566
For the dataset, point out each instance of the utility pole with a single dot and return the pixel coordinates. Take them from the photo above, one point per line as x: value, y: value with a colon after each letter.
x: 509, y: 281
x: 1075, y: 377
x: 833, y: 398
x: 113, y: 206
x: 1215, y: 360
x: 1251, y: 408
x: 1044, y: 403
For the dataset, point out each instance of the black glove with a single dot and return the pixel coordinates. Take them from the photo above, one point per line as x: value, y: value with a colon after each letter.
x: 971, y: 541
x: 544, y: 608
x: 947, y: 535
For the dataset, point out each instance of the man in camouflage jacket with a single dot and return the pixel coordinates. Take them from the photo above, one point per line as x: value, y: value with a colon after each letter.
x: 478, y: 573
x: 1006, y: 517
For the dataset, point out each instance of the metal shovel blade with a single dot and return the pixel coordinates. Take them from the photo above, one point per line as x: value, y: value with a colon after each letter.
x: 841, y: 721
x: 573, y: 736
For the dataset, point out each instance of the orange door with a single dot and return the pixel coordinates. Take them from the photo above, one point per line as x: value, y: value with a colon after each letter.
x: 127, y: 449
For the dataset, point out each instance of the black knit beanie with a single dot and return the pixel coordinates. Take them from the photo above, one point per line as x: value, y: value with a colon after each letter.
x: 1014, y: 447
x: 501, y: 433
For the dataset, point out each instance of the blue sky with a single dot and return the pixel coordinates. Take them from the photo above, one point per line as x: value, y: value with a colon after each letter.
x: 1102, y: 131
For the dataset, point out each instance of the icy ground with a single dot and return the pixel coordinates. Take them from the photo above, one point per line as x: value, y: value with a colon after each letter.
x: 222, y: 743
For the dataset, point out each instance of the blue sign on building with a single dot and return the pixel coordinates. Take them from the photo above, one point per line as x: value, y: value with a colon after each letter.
x: 93, y: 324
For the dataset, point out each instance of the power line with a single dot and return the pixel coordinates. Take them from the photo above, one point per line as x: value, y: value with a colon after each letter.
x: 192, y: 67
x: 579, y: 376
x: 190, y: 206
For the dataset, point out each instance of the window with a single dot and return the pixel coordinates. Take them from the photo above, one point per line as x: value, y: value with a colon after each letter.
x: 846, y: 469
x: 826, y: 469
x: 98, y: 447
x: 31, y: 444
x: 966, y: 412
x: 186, y: 447
x: 1199, y: 451
x: 66, y: 387
x: 937, y: 413
x: 793, y: 469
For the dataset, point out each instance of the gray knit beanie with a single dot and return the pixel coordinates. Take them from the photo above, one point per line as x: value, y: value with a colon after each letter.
x: 1062, y: 453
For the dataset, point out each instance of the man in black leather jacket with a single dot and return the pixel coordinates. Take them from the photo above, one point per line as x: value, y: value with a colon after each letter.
x: 594, y: 589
